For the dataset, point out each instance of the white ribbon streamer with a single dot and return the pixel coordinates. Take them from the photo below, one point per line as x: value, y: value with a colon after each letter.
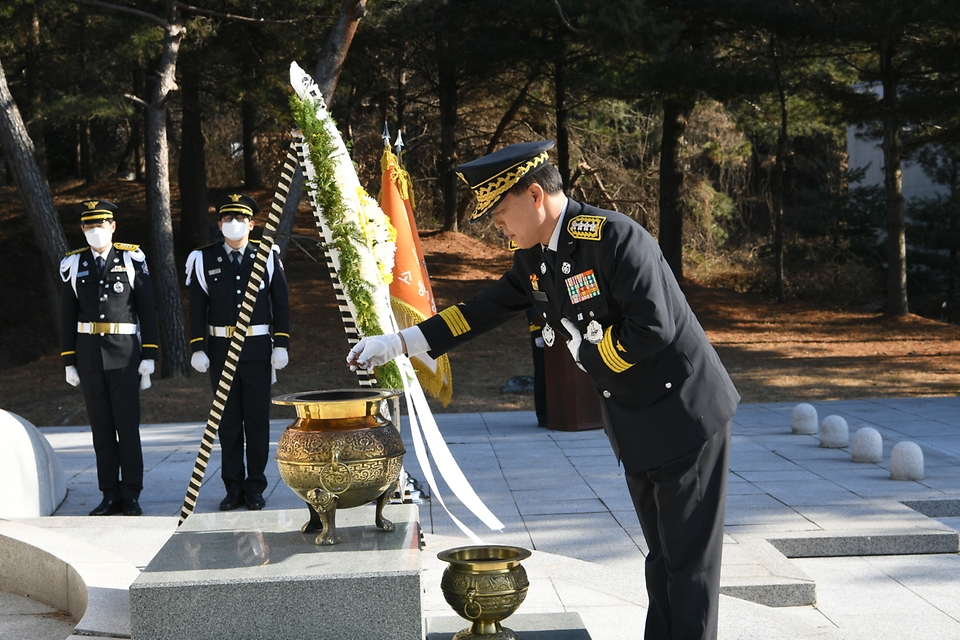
x: 423, y: 426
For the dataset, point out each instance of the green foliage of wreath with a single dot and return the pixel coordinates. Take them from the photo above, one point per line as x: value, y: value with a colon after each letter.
x: 346, y: 235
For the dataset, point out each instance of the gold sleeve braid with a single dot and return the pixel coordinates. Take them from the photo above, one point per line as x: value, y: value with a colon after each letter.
x: 457, y: 324
x: 609, y: 355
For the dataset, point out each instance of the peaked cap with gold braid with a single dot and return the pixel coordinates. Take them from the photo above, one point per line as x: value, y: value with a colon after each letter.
x: 94, y: 211
x: 236, y: 203
x: 491, y: 176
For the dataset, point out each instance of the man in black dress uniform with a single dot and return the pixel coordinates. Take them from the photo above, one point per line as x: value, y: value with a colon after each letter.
x: 217, y: 276
x: 600, y: 282
x: 109, y: 340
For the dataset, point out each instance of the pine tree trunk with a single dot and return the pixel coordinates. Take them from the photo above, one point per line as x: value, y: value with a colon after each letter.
x: 192, y: 172
x: 326, y: 74
x: 173, y: 343
x: 676, y: 114
x: 780, y: 168
x: 563, y: 133
x: 893, y: 187
x: 447, y: 97
x: 252, y: 176
x: 35, y: 194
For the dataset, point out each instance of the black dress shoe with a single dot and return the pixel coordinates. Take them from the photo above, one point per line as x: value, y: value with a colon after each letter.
x: 107, y: 507
x: 131, y: 507
x: 255, y: 501
x: 231, y: 502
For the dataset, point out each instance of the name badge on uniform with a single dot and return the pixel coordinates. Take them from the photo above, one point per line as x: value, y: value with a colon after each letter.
x: 594, y: 332
x: 548, y: 335
x: 213, y: 272
x: 118, y: 286
x: 83, y: 274
x: 582, y: 286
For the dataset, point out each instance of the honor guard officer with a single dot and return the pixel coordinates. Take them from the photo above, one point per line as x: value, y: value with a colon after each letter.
x: 600, y: 282
x: 109, y: 340
x: 217, y: 276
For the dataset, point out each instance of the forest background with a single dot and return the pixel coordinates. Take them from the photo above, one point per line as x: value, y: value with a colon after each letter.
x: 720, y: 125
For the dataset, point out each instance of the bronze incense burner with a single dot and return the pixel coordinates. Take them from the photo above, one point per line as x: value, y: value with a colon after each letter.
x: 343, y: 450
x: 484, y: 584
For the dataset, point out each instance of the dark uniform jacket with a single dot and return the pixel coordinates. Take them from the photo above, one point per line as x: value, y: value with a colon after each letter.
x: 664, y: 390
x: 216, y: 294
x: 124, y: 294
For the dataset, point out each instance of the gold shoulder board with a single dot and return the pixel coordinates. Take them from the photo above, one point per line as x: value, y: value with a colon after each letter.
x: 124, y: 246
x: 586, y: 227
x: 75, y: 251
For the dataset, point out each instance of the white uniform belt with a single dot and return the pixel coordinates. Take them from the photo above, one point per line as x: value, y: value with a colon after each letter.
x: 252, y: 330
x: 117, y: 328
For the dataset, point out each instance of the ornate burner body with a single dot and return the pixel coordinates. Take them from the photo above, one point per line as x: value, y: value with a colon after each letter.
x: 484, y: 584
x: 342, y: 451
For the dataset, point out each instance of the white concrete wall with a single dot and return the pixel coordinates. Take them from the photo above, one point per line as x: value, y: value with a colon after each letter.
x: 30, y: 471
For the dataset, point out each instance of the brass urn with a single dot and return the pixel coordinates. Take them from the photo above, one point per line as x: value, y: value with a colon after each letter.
x: 484, y: 584
x: 343, y: 450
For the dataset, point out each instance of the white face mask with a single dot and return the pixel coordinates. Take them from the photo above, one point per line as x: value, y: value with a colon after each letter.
x: 98, y: 237
x: 234, y: 230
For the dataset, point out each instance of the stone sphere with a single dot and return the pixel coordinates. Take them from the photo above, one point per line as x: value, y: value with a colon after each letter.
x: 906, y: 461
x: 834, y: 433
x: 803, y: 419
x: 867, y: 445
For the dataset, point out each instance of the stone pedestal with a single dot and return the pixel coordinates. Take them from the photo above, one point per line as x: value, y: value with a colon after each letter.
x: 906, y: 461
x: 834, y: 433
x: 252, y: 574
x: 803, y: 419
x: 530, y: 626
x: 867, y: 445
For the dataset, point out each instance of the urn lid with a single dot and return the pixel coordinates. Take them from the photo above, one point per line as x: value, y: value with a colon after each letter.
x: 335, y: 404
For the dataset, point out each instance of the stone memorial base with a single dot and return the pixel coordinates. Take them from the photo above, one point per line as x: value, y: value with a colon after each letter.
x: 252, y: 574
x: 528, y: 626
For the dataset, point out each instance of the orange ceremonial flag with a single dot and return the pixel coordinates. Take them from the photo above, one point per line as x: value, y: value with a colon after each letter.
x: 410, y: 292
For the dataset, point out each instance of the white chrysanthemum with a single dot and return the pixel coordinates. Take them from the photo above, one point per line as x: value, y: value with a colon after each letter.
x: 379, y: 234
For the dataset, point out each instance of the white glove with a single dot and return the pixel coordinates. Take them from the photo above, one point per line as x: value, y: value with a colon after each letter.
x: 73, y: 377
x: 200, y: 361
x: 279, y: 358
x: 145, y: 368
x: 374, y: 351
x: 573, y: 344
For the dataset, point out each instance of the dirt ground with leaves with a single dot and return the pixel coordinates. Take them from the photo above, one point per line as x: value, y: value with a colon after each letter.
x: 789, y: 352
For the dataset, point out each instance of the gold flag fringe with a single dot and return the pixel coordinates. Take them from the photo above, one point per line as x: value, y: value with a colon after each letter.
x: 439, y: 383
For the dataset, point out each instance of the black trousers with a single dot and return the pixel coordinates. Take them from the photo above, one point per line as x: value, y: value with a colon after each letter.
x: 245, y: 424
x: 113, y: 404
x: 681, y: 507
